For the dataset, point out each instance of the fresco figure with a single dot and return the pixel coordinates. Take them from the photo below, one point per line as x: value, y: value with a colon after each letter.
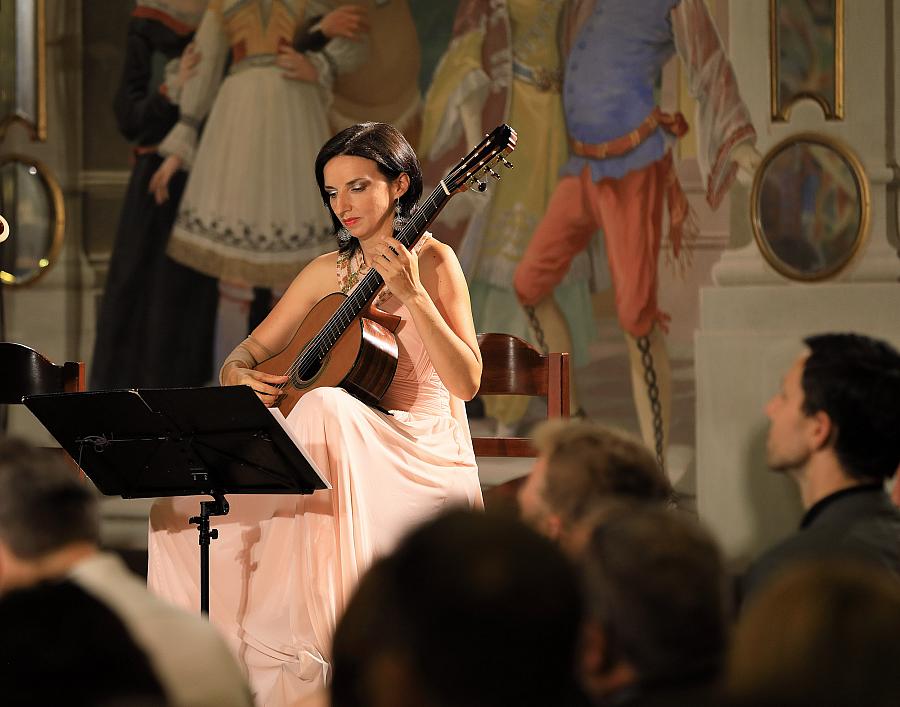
x: 620, y: 172
x: 251, y: 214
x: 386, y: 87
x: 155, y: 323
x: 503, y: 65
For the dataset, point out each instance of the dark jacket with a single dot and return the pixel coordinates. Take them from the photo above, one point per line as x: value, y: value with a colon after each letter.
x: 858, y: 523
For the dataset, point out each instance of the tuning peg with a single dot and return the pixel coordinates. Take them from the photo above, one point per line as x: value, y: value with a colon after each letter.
x: 506, y: 162
x: 492, y: 173
x: 479, y: 185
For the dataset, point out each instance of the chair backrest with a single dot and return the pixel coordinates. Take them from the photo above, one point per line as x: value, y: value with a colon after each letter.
x: 26, y: 372
x: 512, y: 366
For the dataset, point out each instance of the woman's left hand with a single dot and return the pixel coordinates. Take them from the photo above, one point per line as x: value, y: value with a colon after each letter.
x: 398, y: 267
x: 296, y: 66
x: 159, y: 182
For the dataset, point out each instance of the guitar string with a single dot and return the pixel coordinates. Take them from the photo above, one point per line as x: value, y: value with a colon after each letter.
x: 338, y: 322
x: 341, y: 318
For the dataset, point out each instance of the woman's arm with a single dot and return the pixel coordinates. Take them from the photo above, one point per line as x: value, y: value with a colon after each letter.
x: 199, y: 93
x: 276, y: 331
x: 433, y: 288
x: 137, y: 108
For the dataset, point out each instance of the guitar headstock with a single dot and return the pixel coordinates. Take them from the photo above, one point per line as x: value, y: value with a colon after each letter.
x: 480, y: 162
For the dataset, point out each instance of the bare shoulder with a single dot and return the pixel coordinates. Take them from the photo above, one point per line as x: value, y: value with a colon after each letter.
x: 319, y: 274
x: 326, y: 261
x: 436, y: 256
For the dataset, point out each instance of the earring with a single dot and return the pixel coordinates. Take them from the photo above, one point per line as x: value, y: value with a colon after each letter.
x: 343, y: 235
x: 399, y: 220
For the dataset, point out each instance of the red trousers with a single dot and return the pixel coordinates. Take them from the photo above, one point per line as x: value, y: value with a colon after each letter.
x: 629, y: 210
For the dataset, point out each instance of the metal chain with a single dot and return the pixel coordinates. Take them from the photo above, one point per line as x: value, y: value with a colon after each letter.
x: 536, y: 327
x: 643, y: 344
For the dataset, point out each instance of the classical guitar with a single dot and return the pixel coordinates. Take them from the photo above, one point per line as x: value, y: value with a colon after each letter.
x: 345, y: 340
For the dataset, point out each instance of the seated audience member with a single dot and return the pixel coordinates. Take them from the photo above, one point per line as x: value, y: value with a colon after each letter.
x: 579, y: 464
x: 78, y: 627
x: 654, y: 588
x: 834, y: 427
x: 825, y: 633
x: 471, y: 610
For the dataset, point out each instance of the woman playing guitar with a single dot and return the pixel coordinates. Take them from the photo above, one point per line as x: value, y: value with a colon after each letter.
x: 286, y: 565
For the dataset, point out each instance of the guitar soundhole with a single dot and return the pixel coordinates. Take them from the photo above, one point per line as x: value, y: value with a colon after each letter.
x: 305, y: 374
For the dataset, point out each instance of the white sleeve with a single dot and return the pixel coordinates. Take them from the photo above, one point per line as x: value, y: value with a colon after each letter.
x: 723, y: 120
x: 199, y: 91
x: 340, y: 55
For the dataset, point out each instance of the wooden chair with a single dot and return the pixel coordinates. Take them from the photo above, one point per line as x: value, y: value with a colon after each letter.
x: 512, y: 366
x: 26, y: 372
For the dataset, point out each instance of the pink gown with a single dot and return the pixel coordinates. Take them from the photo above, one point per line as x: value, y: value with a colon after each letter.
x: 284, y: 567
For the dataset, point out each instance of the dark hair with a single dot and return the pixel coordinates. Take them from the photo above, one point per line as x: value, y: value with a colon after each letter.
x: 824, y: 633
x: 855, y: 380
x: 469, y: 604
x: 43, y: 504
x: 654, y: 580
x: 588, y: 462
x: 387, y: 148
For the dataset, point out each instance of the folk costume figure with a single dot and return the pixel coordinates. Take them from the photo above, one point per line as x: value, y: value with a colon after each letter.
x: 285, y: 566
x: 155, y: 323
x: 503, y: 65
x: 251, y: 215
x: 620, y: 172
x: 386, y: 87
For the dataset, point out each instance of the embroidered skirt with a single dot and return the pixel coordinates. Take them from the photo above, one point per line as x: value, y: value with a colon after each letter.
x: 251, y: 211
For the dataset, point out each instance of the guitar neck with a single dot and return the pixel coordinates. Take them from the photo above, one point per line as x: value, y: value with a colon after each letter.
x: 366, y: 290
x: 368, y: 287
x: 489, y: 152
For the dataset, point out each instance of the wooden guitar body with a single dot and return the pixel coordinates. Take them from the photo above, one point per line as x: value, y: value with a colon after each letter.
x: 362, y: 360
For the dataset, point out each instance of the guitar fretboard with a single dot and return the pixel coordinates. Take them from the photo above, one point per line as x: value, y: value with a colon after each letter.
x: 320, y: 345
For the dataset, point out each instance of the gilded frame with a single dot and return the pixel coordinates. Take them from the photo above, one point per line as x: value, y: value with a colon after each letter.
x: 865, y: 207
x: 57, y: 218
x: 30, y: 72
x: 781, y: 109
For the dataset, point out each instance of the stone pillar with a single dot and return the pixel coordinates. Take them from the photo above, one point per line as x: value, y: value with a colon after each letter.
x: 752, y: 319
x: 53, y: 314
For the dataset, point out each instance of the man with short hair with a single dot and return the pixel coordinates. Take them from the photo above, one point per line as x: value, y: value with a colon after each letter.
x: 654, y: 586
x: 579, y: 464
x: 78, y: 627
x: 835, y: 429
x: 470, y: 609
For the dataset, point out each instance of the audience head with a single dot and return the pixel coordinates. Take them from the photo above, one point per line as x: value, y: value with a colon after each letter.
x: 388, y: 149
x: 581, y: 463
x: 841, y: 398
x: 44, y: 510
x: 654, y: 585
x: 471, y: 610
x: 822, y: 633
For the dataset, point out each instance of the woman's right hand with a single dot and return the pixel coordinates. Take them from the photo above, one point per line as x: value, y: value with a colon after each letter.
x: 295, y: 65
x: 348, y: 21
x: 263, y: 384
x: 159, y: 182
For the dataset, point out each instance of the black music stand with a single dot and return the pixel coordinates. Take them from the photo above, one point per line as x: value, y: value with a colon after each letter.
x: 179, y: 442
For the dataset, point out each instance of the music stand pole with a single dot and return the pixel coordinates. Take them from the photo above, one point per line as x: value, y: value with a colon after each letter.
x: 158, y: 442
x: 217, y: 507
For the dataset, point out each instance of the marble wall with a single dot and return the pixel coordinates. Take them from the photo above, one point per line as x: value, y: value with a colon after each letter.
x: 752, y: 319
